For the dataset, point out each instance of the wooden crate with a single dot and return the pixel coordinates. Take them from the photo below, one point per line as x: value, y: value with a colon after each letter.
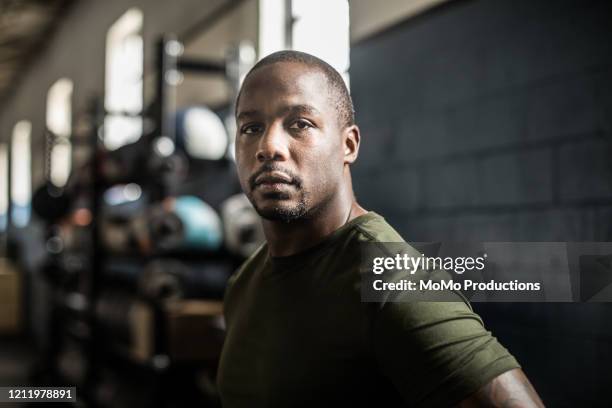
x: 10, y: 298
x: 195, y: 330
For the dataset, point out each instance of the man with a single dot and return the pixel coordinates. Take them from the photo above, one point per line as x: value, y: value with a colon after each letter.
x: 298, y: 334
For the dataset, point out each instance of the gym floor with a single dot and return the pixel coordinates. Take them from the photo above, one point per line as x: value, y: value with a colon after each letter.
x: 15, y: 363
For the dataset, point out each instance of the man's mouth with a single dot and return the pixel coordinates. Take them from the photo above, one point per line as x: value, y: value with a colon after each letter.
x: 273, y: 182
x: 273, y: 178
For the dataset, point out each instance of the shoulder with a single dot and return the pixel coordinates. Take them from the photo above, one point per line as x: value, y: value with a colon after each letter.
x: 375, y: 235
x: 376, y: 240
x: 372, y: 227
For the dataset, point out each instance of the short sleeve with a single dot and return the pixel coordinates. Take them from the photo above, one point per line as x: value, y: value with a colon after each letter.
x: 436, y: 353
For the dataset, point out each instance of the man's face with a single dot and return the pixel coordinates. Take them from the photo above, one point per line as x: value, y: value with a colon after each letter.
x: 289, y: 150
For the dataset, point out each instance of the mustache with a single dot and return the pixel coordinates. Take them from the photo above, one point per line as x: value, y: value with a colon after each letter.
x: 270, y: 167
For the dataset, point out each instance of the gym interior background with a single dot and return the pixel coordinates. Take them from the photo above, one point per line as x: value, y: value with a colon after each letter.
x: 482, y: 120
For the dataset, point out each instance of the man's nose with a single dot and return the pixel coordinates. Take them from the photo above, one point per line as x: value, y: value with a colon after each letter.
x: 274, y: 145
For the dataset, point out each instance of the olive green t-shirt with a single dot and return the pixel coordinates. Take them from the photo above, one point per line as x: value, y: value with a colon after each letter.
x: 298, y: 335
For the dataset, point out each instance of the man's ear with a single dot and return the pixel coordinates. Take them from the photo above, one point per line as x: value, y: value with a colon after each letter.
x: 351, y: 139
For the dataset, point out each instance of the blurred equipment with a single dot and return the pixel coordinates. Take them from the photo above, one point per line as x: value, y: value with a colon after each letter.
x: 50, y: 202
x: 138, y: 255
x: 123, y: 220
x: 171, y: 279
x: 143, y: 162
x: 160, y: 281
x: 242, y: 225
x: 128, y: 324
x: 201, y: 133
x: 186, y: 223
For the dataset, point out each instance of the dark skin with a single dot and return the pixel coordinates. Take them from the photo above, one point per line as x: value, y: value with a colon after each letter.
x: 290, y: 126
x: 293, y: 156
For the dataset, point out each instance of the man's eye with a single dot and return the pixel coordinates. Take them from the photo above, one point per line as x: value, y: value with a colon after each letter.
x: 300, y: 124
x: 251, y: 129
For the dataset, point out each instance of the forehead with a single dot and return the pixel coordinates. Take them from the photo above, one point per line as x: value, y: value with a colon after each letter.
x: 285, y: 83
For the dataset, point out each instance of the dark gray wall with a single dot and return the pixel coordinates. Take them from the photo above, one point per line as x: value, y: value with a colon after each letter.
x: 491, y: 120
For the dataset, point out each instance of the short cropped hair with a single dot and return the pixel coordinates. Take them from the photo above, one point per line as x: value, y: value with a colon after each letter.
x: 340, y: 94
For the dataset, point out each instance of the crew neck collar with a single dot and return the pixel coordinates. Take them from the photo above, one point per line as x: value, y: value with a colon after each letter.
x: 326, y: 242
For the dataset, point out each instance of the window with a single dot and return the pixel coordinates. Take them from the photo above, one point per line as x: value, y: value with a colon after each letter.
x: 4, y: 194
x: 318, y: 27
x: 59, y: 123
x: 272, y: 27
x: 321, y: 28
x: 123, y: 83
x: 21, y: 182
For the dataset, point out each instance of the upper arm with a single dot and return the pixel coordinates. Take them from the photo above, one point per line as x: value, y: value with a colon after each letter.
x: 511, y: 389
x: 436, y: 353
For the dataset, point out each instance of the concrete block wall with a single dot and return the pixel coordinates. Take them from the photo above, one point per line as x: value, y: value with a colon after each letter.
x: 495, y: 109
x: 491, y: 120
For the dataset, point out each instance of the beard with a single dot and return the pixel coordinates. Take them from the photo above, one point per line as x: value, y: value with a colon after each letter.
x: 279, y: 212
x: 303, y: 210
x: 283, y: 213
x: 284, y: 209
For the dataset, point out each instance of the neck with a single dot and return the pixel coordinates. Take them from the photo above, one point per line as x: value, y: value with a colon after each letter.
x: 286, y: 239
